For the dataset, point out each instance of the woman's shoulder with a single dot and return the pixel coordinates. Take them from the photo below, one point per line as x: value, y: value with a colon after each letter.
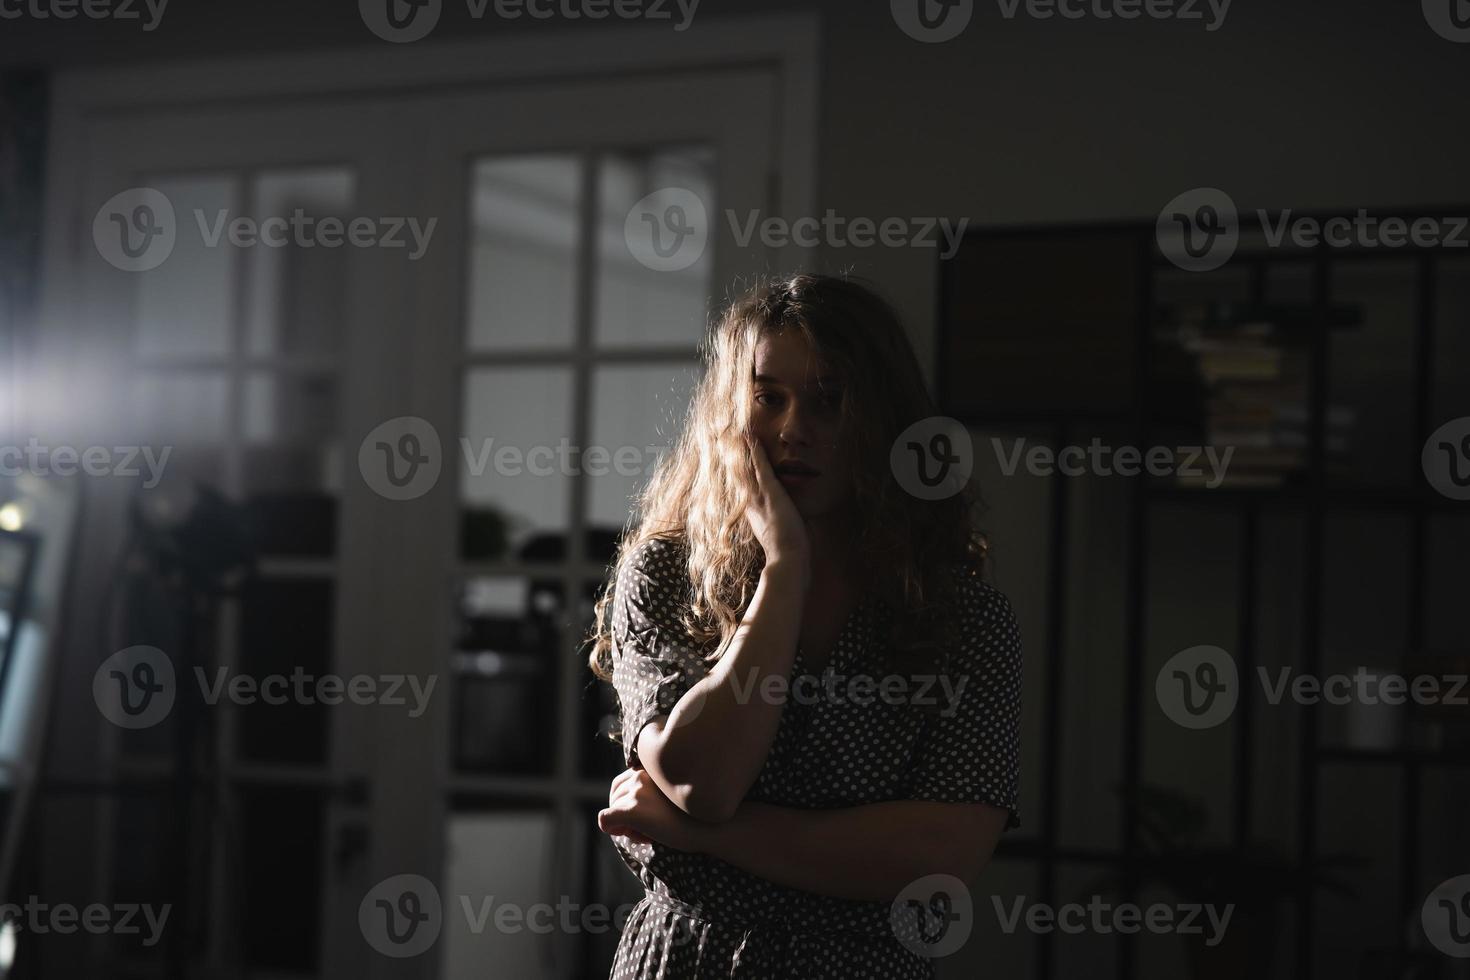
x: 983, y: 609
x: 657, y: 551
x: 656, y: 561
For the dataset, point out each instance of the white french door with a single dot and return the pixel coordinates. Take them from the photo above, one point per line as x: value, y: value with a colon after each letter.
x: 570, y: 321
x: 545, y: 306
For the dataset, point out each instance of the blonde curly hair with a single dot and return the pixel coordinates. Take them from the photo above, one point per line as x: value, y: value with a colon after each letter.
x: 699, y: 492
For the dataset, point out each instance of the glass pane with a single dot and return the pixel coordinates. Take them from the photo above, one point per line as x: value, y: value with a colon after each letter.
x: 293, y: 461
x: 641, y: 299
x: 187, y: 407
x: 1359, y: 813
x: 636, y: 412
x: 1289, y: 284
x: 145, y: 826
x: 513, y: 464
x: 602, y: 758
x: 285, y: 625
x: 1370, y: 424
x: 524, y: 215
x: 296, y: 410
x: 501, y: 858
x: 185, y: 305
x: 280, y: 856
x: 1451, y: 341
x: 1373, y: 645
x: 505, y: 668
x: 610, y: 886
x: 1192, y: 295
x: 297, y: 292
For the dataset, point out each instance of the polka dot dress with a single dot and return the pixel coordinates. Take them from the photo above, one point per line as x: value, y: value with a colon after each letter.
x: 703, y: 918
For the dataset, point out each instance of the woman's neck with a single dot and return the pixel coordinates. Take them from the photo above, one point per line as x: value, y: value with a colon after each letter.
x: 830, y: 537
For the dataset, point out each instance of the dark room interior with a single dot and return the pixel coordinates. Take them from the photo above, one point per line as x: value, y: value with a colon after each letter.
x: 346, y: 348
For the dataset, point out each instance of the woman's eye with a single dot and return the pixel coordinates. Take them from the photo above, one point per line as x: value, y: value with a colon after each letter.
x: 767, y: 398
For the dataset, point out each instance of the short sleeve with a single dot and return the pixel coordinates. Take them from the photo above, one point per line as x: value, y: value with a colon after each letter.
x: 970, y: 753
x: 654, y: 660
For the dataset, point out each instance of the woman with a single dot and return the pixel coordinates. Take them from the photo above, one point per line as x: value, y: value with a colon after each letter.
x: 819, y: 695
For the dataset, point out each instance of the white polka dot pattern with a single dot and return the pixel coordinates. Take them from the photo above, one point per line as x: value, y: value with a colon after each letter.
x: 703, y: 918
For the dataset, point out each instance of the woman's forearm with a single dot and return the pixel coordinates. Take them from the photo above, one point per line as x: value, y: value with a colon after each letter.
x: 869, y: 852
x: 708, y: 752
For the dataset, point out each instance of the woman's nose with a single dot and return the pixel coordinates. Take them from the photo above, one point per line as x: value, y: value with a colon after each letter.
x: 794, y: 427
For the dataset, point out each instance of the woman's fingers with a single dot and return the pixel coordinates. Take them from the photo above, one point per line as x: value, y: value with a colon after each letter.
x: 620, y: 781
x: 765, y: 475
x: 611, y: 822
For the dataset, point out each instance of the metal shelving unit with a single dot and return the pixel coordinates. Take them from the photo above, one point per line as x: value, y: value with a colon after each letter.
x: 1312, y: 500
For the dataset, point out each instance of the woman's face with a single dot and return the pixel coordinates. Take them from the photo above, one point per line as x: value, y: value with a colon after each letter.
x: 796, y: 418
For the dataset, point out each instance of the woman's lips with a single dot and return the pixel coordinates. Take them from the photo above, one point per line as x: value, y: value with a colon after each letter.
x: 795, y: 475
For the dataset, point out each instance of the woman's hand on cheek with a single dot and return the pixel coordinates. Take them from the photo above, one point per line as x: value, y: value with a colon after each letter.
x: 638, y: 810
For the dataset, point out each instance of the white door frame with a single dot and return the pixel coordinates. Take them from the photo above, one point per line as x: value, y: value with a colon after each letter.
x: 83, y: 98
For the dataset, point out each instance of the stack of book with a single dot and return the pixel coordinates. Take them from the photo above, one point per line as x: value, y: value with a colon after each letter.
x: 1256, y: 378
